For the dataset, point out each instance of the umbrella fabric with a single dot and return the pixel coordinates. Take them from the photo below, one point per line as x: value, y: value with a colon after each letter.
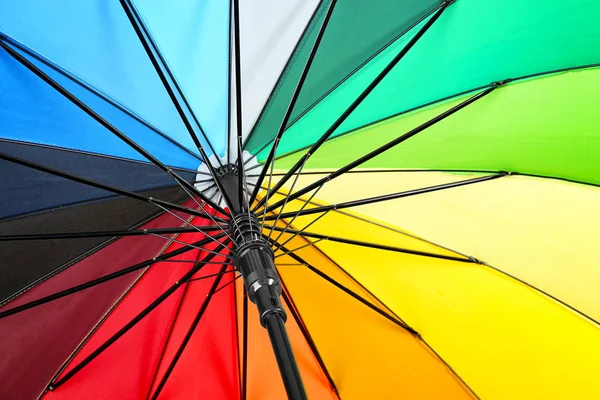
x: 425, y: 173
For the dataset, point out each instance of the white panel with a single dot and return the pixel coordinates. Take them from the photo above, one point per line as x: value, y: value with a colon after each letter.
x: 269, y: 31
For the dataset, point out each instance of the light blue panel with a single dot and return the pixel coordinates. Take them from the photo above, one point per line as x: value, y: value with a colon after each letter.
x: 193, y: 35
x: 94, y: 40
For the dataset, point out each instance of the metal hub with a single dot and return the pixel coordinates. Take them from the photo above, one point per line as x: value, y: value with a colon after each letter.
x: 255, y: 261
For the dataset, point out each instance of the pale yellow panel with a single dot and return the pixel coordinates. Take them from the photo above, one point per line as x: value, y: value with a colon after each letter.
x: 542, y: 231
x: 344, y: 224
x: 367, y: 356
x: 378, y: 182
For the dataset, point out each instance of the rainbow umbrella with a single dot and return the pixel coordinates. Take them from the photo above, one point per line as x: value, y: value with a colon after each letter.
x: 312, y: 199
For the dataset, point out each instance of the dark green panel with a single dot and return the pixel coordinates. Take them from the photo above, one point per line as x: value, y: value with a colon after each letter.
x: 358, y: 29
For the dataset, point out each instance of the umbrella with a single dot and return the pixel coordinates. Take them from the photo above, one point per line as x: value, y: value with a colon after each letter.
x: 304, y: 199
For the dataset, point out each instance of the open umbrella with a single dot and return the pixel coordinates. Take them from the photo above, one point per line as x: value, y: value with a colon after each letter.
x: 312, y: 199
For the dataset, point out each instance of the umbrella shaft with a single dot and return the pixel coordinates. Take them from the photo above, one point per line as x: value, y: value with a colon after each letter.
x: 285, y: 357
x: 255, y: 261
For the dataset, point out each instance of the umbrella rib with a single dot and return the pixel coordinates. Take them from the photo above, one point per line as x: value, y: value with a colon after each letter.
x: 212, y: 275
x: 383, y: 170
x: 105, y: 278
x: 392, y: 196
x: 378, y: 246
x: 209, y: 216
x: 296, y: 232
x: 389, y: 145
x: 284, y: 253
x: 81, y: 105
x: 192, y: 245
x: 298, y: 213
x: 91, y: 234
x: 238, y: 100
x: 229, y: 49
x: 206, y: 260
x: 147, y: 42
x: 360, y: 98
x: 189, y: 333
x: 160, y: 65
x: 309, y: 340
x: 354, y: 295
x: 300, y: 262
x: 278, y: 216
x: 166, y: 341
x: 228, y: 283
x: 236, y: 327
x: 82, y: 83
x: 98, y: 185
x: 292, y: 103
x: 242, y: 192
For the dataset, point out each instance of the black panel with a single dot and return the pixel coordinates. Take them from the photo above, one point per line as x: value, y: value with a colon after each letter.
x: 22, y: 263
x: 23, y: 189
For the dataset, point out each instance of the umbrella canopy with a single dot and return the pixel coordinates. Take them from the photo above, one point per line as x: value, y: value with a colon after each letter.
x: 332, y: 199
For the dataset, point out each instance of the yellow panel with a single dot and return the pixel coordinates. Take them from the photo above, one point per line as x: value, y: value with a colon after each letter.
x: 368, y: 356
x: 504, y: 339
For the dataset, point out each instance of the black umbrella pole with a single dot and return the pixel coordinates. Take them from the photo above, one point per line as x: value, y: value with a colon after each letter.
x: 285, y: 357
x: 254, y: 260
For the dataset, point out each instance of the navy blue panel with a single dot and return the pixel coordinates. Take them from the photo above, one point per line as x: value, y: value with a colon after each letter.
x: 23, y: 189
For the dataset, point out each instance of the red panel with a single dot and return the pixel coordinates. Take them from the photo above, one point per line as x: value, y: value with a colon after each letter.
x: 208, y: 368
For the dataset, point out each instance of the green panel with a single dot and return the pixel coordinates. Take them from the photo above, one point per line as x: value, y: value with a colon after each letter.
x: 545, y: 126
x: 473, y: 44
x: 357, y: 30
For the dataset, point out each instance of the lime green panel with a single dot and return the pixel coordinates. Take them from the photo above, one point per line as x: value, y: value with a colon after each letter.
x: 357, y: 30
x: 473, y: 44
x: 547, y: 126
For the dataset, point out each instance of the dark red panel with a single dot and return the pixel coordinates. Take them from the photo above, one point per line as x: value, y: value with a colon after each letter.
x: 127, y: 368
x: 35, y: 343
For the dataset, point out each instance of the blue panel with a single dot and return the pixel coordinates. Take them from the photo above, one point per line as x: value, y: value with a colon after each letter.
x: 194, y: 38
x: 94, y: 40
x: 31, y: 110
